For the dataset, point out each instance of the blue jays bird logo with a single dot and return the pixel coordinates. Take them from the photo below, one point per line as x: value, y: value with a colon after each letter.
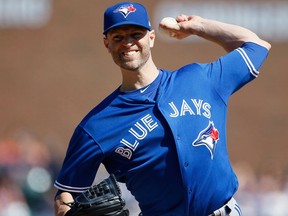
x: 208, y: 137
x: 125, y: 10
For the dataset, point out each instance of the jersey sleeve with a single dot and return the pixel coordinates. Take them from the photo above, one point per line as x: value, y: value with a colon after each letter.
x: 232, y: 71
x: 82, y: 160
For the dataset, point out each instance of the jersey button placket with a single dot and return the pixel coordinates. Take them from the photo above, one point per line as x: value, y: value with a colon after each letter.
x: 186, y: 164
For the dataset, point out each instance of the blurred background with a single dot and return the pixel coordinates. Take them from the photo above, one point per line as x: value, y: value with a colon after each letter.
x: 54, y: 69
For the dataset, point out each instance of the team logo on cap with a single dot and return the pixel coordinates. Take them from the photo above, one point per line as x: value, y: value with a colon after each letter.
x: 208, y: 137
x: 125, y: 10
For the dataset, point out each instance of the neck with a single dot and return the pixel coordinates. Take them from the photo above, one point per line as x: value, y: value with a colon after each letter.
x: 133, y: 80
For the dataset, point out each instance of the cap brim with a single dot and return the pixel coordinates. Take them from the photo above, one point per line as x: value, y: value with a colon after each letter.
x: 125, y: 23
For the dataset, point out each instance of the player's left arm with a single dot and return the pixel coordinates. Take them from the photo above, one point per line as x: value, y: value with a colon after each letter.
x: 229, y: 36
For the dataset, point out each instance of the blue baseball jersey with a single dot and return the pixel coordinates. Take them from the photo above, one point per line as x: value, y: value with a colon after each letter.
x: 166, y: 141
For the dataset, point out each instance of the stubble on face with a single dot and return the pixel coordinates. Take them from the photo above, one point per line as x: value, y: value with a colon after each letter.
x: 132, y: 53
x: 132, y: 60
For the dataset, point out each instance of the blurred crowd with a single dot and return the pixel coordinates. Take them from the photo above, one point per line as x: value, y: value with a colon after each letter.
x: 28, y: 168
x: 263, y: 192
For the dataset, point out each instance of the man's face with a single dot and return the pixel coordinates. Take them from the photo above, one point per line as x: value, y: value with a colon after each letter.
x: 130, y: 46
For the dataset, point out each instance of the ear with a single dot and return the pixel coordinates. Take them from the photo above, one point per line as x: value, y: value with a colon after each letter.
x: 106, y: 42
x: 152, y: 38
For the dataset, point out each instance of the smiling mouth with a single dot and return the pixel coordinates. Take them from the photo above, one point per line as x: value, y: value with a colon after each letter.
x: 129, y: 53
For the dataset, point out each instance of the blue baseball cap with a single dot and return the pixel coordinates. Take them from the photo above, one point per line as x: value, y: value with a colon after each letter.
x: 126, y: 13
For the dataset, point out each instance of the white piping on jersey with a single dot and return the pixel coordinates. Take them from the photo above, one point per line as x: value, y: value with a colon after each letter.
x: 248, y: 62
x: 69, y: 188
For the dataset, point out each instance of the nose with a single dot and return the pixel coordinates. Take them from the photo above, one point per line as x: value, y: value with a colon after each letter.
x: 128, y: 40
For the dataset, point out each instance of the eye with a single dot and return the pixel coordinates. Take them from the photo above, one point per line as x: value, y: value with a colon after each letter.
x: 117, y: 38
x: 137, y: 35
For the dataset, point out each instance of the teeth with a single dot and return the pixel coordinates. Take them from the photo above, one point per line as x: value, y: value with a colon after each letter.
x: 130, y: 53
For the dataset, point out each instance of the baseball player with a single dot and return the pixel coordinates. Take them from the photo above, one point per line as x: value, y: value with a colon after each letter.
x: 163, y: 133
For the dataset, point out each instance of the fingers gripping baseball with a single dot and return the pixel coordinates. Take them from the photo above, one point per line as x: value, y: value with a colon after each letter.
x: 181, y: 27
x: 167, y: 26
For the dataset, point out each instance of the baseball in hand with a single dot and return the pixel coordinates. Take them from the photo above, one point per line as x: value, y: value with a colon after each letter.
x: 169, y: 22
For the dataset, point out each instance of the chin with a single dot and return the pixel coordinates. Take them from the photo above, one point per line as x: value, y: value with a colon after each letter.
x: 131, y: 67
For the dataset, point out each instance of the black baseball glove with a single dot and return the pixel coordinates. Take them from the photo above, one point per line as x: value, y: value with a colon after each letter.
x: 103, y: 199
